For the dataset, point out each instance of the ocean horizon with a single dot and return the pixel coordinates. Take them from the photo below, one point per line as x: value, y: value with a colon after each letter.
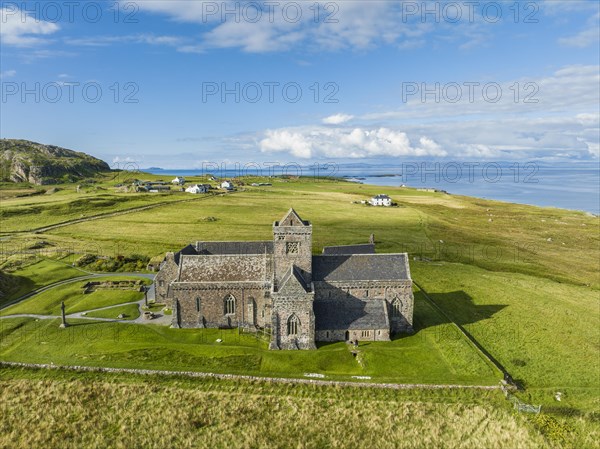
x: 573, y: 187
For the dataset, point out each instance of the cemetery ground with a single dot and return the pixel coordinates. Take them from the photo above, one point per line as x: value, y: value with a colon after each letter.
x: 522, y: 281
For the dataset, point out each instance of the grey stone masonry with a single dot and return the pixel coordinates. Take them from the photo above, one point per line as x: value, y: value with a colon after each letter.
x: 347, y: 293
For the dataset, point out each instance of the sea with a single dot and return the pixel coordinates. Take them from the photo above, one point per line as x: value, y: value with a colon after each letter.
x: 574, y: 186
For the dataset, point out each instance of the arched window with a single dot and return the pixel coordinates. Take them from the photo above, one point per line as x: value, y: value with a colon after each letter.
x: 197, y: 304
x: 293, y: 325
x: 230, y: 305
x: 396, y: 308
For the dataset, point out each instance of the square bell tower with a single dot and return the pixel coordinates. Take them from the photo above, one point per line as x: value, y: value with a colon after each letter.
x: 292, y: 246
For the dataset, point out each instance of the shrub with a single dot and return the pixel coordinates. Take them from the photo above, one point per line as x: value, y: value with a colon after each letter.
x: 86, y: 259
x: 552, y: 428
x: 133, y: 262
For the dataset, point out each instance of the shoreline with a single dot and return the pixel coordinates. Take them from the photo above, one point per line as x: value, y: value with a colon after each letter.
x: 394, y: 181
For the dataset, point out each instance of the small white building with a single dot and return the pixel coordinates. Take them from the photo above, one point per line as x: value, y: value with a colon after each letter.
x: 380, y: 200
x: 227, y: 185
x: 198, y: 188
x: 179, y: 181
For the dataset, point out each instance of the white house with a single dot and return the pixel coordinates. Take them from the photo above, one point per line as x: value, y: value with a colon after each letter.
x: 227, y: 185
x: 198, y: 188
x: 380, y: 200
x: 179, y: 180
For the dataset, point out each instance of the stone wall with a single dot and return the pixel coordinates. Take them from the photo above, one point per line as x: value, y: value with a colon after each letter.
x: 368, y: 290
x: 283, y: 309
x: 204, y: 305
x: 352, y: 335
x: 166, y: 275
x: 283, y: 259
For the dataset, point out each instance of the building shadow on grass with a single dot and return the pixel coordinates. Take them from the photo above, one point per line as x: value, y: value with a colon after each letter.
x: 434, y: 309
x: 457, y: 307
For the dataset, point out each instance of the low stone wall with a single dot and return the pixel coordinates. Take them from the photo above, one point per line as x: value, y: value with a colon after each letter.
x: 248, y: 378
x: 92, y: 286
x: 353, y: 335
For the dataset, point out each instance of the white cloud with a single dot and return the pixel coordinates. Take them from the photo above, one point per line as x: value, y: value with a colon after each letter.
x: 564, y: 121
x: 337, y: 119
x: 315, y: 142
x: 589, y: 36
x: 594, y: 148
x: 22, y: 29
x: 8, y: 74
x: 124, y: 160
x: 281, y: 26
x: 560, y: 7
x: 582, y: 39
x: 100, y: 41
x: 573, y: 89
x: 296, y: 143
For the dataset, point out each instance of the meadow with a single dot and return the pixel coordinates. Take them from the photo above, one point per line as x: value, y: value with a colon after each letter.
x: 48, y: 302
x: 435, y: 354
x: 123, y: 411
x: 33, y: 276
x: 523, y: 281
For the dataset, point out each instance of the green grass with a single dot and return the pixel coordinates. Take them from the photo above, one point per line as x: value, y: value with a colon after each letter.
x: 423, y: 357
x: 48, y: 302
x: 22, y: 281
x: 116, y: 410
x: 153, y: 307
x: 130, y: 311
x: 531, y: 325
x: 545, y: 333
x: 516, y: 240
x: 522, y: 280
x: 39, y: 211
x: 450, y: 353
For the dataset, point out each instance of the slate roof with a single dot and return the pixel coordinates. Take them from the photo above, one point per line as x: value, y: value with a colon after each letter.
x: 226, y: 268
x: 293, y: 216
x: 350, y: 314
x: 293, y: 273
x: 188, y: 250
x: 365, y: 248
x: 360, y: 267
x: 215, y: 248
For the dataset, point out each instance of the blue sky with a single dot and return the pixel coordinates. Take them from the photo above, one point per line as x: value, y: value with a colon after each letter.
x: 534, y: 80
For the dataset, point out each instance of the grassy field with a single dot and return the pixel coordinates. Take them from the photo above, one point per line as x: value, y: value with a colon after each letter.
x: 516, y: 240
x: 436, y: 353
x: 124, y: 411
x: 31, y: 277
x: 523, y: 281
x: 129, y: 311
x: 48, y: 302
x: 27, y: 208
x: 531, y: 325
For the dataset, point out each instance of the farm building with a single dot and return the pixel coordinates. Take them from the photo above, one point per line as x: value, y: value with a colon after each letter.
x: 198, y: 188
x: 380, y: 200
x: 227, y: 185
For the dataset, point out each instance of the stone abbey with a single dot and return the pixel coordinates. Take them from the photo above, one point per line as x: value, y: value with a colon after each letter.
x: 346, y: 293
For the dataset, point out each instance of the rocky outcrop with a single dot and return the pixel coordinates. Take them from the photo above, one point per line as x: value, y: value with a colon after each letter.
x: 25, y: 161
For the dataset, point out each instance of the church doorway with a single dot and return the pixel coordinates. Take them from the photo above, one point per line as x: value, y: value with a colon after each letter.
x: 347, y: 335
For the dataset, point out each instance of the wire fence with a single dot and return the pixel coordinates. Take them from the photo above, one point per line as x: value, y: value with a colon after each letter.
x: 519, y: 405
